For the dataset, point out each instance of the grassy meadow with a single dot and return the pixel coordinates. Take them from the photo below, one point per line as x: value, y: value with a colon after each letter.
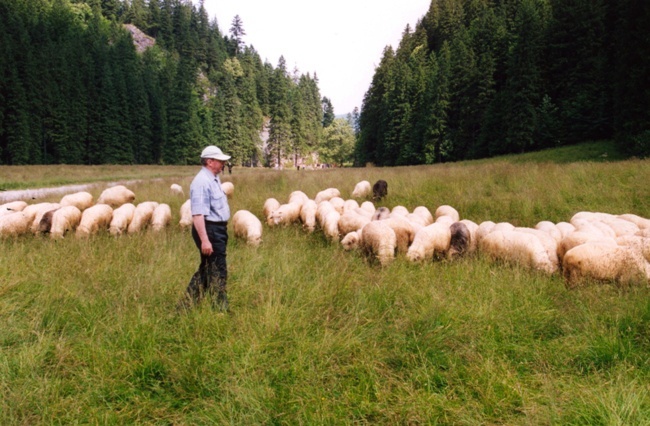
x: 90, y: 333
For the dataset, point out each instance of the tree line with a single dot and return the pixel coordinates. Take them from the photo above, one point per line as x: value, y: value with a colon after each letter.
x: 74, y: 90
x: 479, y: 78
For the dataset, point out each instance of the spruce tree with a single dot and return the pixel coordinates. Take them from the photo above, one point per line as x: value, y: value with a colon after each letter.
x: 328, y: 112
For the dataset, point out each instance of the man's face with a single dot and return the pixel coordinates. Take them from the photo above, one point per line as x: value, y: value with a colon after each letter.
x: 215, y: 166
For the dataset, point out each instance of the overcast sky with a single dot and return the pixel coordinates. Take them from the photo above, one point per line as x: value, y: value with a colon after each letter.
x: 341, y: 41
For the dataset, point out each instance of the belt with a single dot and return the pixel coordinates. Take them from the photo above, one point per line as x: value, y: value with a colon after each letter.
x: 209, y: 222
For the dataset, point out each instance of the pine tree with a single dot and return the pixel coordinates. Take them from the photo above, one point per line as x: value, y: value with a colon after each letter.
x: 575, y: 71
x: 523, y: 89
x: 237, y: 32
x: 280, y: 127
x: 328, y: 112
x: 373, y: 113
x: 631, y: 72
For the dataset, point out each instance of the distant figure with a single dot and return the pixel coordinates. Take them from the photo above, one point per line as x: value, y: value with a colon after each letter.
x: 229, y: 165
x: 379, y: 190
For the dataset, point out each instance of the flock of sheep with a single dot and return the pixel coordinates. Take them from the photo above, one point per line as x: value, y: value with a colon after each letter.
x: 590, y: 246
x: 80, y: 213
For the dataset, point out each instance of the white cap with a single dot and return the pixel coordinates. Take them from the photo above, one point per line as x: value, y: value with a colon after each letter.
x: 214, y: 152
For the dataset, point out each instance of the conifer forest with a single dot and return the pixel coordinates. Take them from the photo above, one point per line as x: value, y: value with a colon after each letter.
x: 472, y: 79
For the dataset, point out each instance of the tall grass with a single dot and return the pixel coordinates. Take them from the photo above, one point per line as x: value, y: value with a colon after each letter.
x: 317, y: 335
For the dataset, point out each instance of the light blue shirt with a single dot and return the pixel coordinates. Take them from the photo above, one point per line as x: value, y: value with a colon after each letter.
x: 207, y: 198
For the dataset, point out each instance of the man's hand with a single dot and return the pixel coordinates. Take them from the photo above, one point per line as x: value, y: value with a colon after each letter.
x: 206, y: 248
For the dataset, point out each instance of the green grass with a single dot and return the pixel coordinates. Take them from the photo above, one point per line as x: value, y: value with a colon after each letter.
x: 28, y: 177
x: 90, y: 333
x: 600, y: 151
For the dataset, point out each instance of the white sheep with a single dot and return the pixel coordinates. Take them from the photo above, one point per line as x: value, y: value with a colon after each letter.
x: 363, y: 212
x: 404, y: 232
x: 424, y: 213
x: 322, y: 209
x: 116, y: 195
x: 350, y: 205
x: 590, y: 216
x: 368, y: 206
x: 596, y: 226
x: 12, y: 207
x: 445, y: 220
x: 228, y: 188
x: 515, y: 247
x: 176, y: 189
x: 644, y: 233
x: 596, y: 261
x: 550, y: 228
x: 270, y: 205
x: 362, y: 189
x: 327, y: 194
x: 593, y: 223
x: 399, y: 211
x: 378, y: 240
x: 94, y: 219
x: 429, y: 242
x: 286, y: 214
x: 351, y: 240
x: 248, y: 227
x: 308, y: 215
x: 446, y: 210
x: 565, y: 228
x: 338, y: 204
x: 638, y: 243
x: 577, y: 238
x: 620, y: 226
x: 64, y: 220
x: 549, y: 243
x: 484, y: 228
x: 298, y: 197
x: 417, y: 219
x: 503, y: 226
x: 352, y: 221
x: 14, y: 224
x: 639, y: 221
x: 121, y: 219
x: 381, y: 213
x: 161, y: 217
x: 185, y: 221
x: 81, y: 200
x: 141, y: 216
x: 330, y: 225
x: 36, y: 211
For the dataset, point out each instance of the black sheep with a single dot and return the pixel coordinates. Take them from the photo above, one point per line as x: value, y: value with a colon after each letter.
x: 379, y: 190
x: 460, y: 240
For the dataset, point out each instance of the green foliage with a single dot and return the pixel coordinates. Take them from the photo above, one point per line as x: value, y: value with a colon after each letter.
x: 75, y: 90
x: 317, y: 335
x: 509, y: 77
x: 338, y: 143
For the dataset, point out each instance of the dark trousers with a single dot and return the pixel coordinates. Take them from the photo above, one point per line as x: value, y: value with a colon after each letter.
x: 212, y: 274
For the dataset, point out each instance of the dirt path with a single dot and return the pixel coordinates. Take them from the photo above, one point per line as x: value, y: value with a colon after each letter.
x: 35, y: 194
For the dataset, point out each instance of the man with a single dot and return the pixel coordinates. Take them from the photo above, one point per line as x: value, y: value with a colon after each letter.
x: 210, y: 214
